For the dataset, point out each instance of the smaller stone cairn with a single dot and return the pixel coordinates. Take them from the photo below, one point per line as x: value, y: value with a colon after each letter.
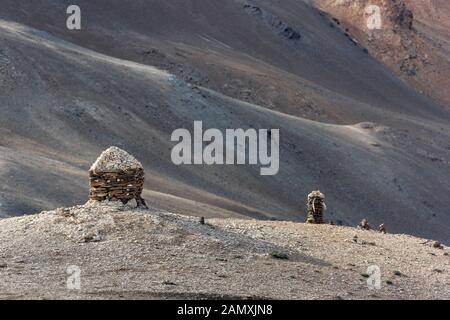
x: 117, y: 176
x: 382, y: 228
x: 364, y: 224
x: 316, y: 207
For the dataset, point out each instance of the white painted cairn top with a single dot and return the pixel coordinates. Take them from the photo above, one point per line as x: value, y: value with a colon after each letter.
x: 115, y: 159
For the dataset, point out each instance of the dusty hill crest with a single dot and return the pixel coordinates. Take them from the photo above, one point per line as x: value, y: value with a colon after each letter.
x: 124, y: 252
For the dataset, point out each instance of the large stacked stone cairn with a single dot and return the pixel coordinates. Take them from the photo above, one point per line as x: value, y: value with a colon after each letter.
x: 316, y: 207
x: 117, y: 176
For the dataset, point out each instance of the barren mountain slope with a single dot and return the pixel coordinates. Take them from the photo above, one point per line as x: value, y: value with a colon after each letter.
x: 377, y: 148
x: 137, y: 254
x: 413, y: 39
x: 432, y: 14
x: 244, y: 49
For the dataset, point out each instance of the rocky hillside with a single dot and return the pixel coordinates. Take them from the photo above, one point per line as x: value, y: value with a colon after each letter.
x: 412, y: 40
x: 121, y: 252
x: 138, y: 70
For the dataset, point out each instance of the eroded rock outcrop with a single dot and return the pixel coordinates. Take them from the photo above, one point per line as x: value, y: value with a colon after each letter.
x: 397, y: 39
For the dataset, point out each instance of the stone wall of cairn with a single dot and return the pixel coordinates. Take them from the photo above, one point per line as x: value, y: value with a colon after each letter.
x: 316, y: 207
x: 117, y: 186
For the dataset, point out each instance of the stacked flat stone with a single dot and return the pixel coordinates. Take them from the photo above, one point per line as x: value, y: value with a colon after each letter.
x: 116, y: 176
x: 364, y: 224
x: 316, y: 207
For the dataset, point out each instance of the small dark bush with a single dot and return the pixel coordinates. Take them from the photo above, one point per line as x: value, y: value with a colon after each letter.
x: 365, y: 275
x: 279, y: 255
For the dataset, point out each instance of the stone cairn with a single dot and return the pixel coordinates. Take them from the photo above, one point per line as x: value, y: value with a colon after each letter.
x: 117, y: 176
x: 364, y: 224
x: 316, y: 207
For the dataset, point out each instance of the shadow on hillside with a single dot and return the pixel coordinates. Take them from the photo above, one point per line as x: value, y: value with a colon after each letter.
x: 232, y: 239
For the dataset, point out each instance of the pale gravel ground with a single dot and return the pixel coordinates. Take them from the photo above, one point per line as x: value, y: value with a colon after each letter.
x: 149, y: 254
